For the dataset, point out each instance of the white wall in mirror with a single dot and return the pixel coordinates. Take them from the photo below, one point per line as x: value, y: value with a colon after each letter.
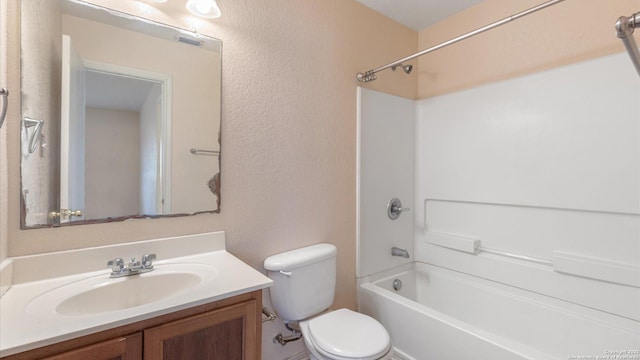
x: 112, y: 136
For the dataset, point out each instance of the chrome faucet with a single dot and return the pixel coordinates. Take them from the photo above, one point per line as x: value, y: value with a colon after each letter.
x: 133, y: 267
x: 395, y: 251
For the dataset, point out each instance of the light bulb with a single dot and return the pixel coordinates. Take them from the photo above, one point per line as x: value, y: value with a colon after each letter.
x: 204, y: 8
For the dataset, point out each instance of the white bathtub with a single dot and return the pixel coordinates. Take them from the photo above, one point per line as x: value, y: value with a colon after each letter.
x: 441, y: 314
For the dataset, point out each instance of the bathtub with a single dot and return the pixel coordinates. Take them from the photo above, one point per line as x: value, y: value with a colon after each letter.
x: 441, y: 314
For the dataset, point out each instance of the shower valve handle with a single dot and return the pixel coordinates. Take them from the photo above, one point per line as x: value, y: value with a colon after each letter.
x: 395, y: 209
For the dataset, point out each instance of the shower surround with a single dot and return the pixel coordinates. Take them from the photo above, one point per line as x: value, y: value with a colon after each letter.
x: 527, y: 195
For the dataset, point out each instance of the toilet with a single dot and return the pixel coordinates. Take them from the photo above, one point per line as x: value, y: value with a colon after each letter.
x: 304, y: 283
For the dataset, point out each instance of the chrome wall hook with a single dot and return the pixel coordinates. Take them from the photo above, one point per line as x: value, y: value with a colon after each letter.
x: 5, y: 104
x: 34, y: 138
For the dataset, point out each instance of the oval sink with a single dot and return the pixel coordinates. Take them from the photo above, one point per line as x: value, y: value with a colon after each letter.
x: 101, y: 294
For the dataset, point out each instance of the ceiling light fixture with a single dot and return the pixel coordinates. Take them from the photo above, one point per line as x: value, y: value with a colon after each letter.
x: 207, y: 9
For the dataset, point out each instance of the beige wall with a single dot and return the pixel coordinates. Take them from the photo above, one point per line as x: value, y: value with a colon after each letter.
x: 565, y: 33
x: 288, y: 130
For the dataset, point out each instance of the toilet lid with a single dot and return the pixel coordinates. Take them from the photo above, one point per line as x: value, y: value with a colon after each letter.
x: 346, y: 334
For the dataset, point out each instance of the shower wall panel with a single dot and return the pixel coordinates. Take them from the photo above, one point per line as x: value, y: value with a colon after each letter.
x: 543, y: 173
x: 386, y: 127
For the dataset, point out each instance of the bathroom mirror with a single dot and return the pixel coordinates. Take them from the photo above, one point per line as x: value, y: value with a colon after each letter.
x: 129, y: 114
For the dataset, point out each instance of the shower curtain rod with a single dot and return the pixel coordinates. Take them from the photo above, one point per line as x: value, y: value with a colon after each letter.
x: 371, y: 74
x: 624, y: 27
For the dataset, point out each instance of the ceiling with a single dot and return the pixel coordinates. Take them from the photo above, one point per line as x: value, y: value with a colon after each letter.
x: 115, y: 92
x: 418, y: 14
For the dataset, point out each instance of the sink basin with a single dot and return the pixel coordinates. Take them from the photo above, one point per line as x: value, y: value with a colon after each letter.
x: 102, y: 294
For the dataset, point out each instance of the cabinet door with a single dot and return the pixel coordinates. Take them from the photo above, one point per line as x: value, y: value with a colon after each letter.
x: 123, y: 348
x: 229, y: 333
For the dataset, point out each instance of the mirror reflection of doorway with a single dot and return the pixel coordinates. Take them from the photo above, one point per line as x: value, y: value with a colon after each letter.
x: 125, y: 141
x: 126, y: 136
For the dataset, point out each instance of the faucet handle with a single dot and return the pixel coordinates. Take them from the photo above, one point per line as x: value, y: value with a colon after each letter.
x: 117, y: 265
x: 147, y: 261
x: 394, y: 208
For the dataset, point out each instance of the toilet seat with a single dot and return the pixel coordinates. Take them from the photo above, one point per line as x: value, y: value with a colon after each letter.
x: 345, y: 335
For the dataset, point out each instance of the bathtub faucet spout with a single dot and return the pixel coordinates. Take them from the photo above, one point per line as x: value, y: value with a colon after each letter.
x: 395, y: 251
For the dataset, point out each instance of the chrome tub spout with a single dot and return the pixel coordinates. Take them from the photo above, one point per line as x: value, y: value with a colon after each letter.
x: 396, y: 251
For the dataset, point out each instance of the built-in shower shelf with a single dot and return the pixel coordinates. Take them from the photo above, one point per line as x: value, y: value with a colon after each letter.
x: 595, y: 268
x: 560, y: 261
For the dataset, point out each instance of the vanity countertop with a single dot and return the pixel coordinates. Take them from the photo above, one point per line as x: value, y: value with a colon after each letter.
x: 25, y: 325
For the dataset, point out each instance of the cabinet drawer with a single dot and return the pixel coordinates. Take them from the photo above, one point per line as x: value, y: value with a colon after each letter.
x: 123, y: 348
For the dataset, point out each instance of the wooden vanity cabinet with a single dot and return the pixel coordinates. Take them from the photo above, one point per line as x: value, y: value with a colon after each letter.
x: 122, y: 348
x: 229, y: 329
x: 218, y: 334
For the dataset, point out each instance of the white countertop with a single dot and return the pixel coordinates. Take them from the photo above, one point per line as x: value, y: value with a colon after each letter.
x: 22, y: 329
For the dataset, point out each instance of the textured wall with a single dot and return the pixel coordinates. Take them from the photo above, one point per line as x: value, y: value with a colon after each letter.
x: 40, y: 92
x: 288, y: 130
x: 565, y: 33
x: 4, y: 242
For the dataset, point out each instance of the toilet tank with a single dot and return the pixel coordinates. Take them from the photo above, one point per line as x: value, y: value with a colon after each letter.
x: 304, y: 281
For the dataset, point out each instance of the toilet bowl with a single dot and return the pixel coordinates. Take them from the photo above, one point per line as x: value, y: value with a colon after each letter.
x: 345, y: 335
x: 304, y: 288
